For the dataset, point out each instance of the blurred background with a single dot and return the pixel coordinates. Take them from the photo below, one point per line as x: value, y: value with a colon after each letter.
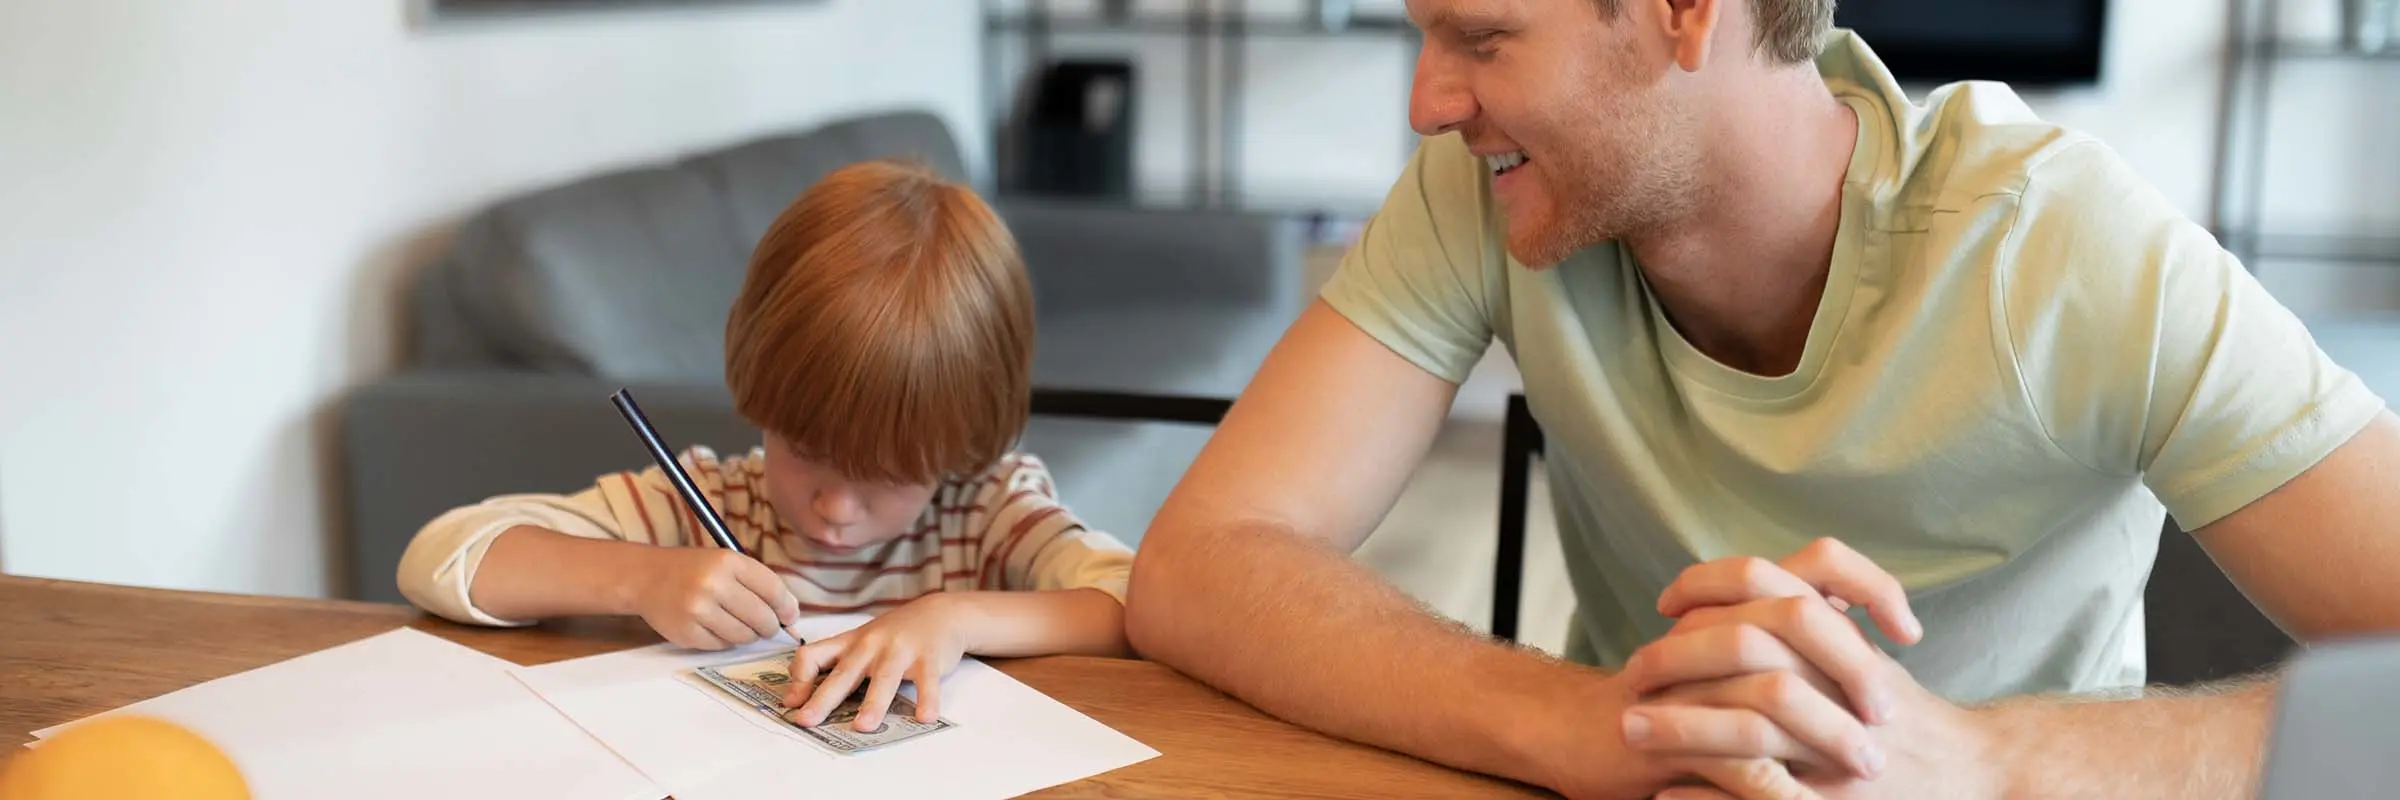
x: 280, y: 279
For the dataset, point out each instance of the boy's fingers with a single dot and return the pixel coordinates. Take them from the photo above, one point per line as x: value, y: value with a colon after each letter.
x: 929, y: 692
x: 752, y: 612
x: 830, y: 694
x: 695, y: 636
x: 880, y: 691
x: 727, y: 629
x: 772, y: 595
x: 807, y: 662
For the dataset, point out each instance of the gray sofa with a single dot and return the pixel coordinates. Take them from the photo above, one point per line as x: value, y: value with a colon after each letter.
x: 546, y: 303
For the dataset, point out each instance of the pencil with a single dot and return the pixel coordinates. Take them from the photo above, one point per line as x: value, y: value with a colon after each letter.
x: 707, y: 514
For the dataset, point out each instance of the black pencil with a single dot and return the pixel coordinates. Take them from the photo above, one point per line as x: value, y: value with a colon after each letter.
x: 707, y: 514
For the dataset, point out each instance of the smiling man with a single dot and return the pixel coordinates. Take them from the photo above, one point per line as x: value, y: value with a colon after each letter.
x: 1942, y: 360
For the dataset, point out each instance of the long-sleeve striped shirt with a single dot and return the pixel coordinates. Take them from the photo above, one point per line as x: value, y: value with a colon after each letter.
x: 1004, y: 529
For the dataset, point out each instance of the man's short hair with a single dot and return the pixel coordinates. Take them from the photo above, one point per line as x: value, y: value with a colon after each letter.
x: 1790, y: 32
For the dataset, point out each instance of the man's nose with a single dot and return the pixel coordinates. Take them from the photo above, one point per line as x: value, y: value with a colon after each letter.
x: 1438, y: 99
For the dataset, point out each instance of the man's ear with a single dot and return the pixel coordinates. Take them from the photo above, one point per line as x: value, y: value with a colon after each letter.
x: 1690, y: 26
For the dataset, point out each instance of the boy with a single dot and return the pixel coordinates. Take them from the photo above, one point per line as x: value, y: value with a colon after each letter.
x: 883, y: 340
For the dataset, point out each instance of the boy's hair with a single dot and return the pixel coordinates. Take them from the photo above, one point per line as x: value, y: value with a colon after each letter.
x: 1790, y: 32
x: 885, y: 328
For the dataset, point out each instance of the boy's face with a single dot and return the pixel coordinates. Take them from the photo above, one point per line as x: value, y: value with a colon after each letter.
x: 838, y: 516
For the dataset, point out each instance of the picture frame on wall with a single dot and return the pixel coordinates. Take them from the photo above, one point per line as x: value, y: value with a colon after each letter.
x: 453, y: 9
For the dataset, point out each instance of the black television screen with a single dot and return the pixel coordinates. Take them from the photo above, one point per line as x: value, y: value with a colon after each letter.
x: 2030, y: 42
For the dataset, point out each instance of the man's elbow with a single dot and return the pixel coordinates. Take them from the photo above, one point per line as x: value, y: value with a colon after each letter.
x: 1151, y: 597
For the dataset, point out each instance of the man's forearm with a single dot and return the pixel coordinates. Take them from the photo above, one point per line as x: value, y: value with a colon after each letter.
x: 1312, y: 637
x: 2202, y: 744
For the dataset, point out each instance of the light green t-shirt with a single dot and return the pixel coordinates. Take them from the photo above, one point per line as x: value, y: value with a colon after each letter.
x: 2022, y: 350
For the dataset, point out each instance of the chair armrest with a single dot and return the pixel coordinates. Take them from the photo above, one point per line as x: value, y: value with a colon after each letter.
x: 1084, y: 255
x: 421, y: 443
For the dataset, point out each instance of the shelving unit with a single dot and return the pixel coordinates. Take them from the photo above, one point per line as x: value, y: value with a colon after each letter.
x: 2257, y: 47
x: 1216, y: 36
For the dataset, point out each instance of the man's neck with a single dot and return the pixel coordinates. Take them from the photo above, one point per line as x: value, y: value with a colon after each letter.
x: 1741, y: 277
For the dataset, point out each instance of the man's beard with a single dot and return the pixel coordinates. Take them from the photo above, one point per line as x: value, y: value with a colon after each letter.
x: 1652, y: 182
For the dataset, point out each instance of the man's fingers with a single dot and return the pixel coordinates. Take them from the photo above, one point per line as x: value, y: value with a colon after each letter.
x: 1766, y: 715
x: 1820, y: 636
x: 929, y: 692
x: 1703, y: 731
x: 880, y: 690
x: 1728, y: 582
x: 762, y: 583
x: 1694, y: 793
x: 1836, y: 570
x: 1752, y: 779
x: 1710, y: 653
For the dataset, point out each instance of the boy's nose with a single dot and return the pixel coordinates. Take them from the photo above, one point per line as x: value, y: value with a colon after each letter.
x: 839, y: 507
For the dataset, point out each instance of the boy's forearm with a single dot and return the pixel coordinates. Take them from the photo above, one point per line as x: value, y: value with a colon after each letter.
x: 531, y: 573
x: 1085, y: 622
x: 2205, y: 743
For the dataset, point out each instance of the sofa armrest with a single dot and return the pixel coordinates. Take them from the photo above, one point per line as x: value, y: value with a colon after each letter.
x: 1084, y: 255
x: 421, y: 443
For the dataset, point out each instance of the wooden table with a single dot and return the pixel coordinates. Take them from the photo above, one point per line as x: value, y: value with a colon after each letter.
x: 69, y: 650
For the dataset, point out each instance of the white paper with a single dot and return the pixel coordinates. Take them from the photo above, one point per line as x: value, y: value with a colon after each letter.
x: 699, y: 744
x: 403, y: 715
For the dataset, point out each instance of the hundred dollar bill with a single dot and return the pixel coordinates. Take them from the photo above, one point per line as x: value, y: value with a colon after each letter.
x: 761, y: 681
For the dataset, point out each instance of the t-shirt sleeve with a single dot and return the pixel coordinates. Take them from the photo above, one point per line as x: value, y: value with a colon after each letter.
x: 2148, y: 349
x: 1427, y: 269
x: 1031, y: 542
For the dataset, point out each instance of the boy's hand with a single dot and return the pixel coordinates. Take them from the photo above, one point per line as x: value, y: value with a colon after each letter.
x: 709, y: 599
x: 921, y: 642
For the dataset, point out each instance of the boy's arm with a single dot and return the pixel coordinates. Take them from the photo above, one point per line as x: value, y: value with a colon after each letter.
x: 1061, y: 585
x: 517, y: 558
x: 451, y: 555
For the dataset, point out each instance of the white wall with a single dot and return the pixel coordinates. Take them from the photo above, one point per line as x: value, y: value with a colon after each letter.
x: 205, y: 206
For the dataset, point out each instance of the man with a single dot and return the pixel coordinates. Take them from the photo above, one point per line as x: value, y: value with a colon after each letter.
x: 1943, y: 360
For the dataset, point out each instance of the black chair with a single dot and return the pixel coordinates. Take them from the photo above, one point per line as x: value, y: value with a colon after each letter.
x: 2200, y: 627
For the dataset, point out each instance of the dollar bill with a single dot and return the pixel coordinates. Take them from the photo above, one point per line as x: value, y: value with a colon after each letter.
x: 761, y: 681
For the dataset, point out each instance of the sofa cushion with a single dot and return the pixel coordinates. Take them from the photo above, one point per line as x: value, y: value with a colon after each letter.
x: 626, y: 276
x: 760, y: 177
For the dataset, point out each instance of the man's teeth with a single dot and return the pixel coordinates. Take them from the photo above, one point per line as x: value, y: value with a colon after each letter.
x: 1505, y: 161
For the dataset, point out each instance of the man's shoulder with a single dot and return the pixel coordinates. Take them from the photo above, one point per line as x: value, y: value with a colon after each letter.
x: 1973, y: 141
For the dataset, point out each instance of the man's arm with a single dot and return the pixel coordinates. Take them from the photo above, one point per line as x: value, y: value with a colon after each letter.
x: 2315, y: 554
x: 1244, y: 580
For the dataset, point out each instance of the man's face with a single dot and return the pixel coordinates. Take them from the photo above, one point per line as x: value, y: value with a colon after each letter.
x: 1573, y: 112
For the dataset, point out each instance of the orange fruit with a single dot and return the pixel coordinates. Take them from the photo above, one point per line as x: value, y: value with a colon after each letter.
x: 123, y: 758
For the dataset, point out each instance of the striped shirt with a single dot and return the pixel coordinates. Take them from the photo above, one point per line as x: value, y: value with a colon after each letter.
x: 1001, y: 530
